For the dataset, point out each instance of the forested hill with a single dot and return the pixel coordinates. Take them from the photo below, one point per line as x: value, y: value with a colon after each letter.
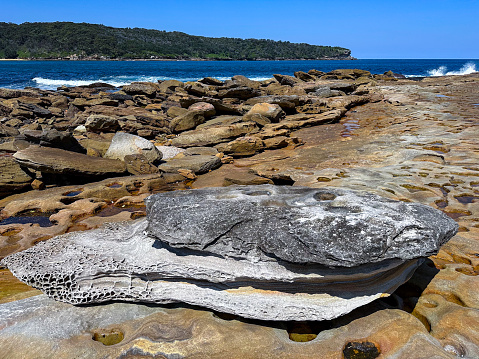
x: 90, y: 41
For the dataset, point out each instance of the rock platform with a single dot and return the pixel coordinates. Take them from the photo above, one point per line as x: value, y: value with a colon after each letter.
x: 408, y: 140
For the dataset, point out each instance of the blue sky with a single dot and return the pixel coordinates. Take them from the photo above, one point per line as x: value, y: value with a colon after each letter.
x: 371, y: 29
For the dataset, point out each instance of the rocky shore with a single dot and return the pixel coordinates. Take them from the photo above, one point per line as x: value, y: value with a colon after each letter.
x: 77, y: 158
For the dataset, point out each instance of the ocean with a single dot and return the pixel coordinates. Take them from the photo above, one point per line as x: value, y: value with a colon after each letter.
x: 49, y: 75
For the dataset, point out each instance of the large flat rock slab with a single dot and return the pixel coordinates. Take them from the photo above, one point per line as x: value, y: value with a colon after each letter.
x: 120, y: 262
x: 57, y: 161
x: 329, y: 226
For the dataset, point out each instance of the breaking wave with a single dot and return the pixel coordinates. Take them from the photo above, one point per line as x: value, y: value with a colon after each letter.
x: 467, y: 69
x: 53, y: 84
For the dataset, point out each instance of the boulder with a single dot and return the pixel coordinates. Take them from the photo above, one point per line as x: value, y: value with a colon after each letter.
x: 139, y: 165
x: 12, y: 176
x: 187, y: 121
x: 170, y: 85
x: 242, y: 146
x: 244, y: 81
x: 8, y: 131
x: 271, y: 111
x: 124, y: 144
x: 242, y: 93
x: 329, y: 226
x: 175, y: 111
x: 211, y: 81
x: 316, y: 73
x: 141, y: 88
x: 213, y: 135
x: 120, y: 96
x: 286, y: 80
x: 205, y: 108
x: 303, y: 76
x: 198, y: 164
x: 199, y: 89
x: 13, y: 93
x: 169, y: 151
x: 54, y: 138
x: 58, y: 161
x: 101, y: 123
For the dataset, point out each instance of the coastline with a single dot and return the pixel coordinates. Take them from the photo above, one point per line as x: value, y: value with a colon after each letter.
x: 179, y: 60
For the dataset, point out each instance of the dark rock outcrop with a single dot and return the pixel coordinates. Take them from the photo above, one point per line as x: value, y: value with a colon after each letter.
x: 332, y: 227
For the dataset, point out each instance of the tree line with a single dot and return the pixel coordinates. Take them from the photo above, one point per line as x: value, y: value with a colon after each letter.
x: 64, y: 39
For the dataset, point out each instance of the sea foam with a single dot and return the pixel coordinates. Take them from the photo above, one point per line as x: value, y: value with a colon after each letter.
x: 467, y: 69
x: 117, y: 81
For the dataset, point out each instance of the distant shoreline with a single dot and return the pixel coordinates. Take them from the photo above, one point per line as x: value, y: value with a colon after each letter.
x: 192, y: 59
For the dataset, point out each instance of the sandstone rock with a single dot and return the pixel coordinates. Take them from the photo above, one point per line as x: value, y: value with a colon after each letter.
x: 211, y: 81
x: 124, y: 144
x: 316, y: 73
x: 332, y: 227
x: 242, y: 146
x: 205, y: 151
x: 244, y: 81
x: 199, y: 89
x: 57, y: 161
x: 198, y: 164
x: 176, y: 111
x: 101, y: 123
x: 271, y: 111
x: 54, y: 138
x: 286, y: 80
x: 12, y: 177
x: 8, y: 131
x: 220, y: 106
x: 205, y: 108
x: 139, y: 165
x: 187, y: 121
x: 141, y: 88
x: 242, y: 92
x: 276, y: 142
x: 157, y: 330
x: 212, y: 135
x: 223, y: 120
x: 286, y: 102
x: 120, y: 96
x: 170, y: 85
x: 13, y: 93
x: 244, y: 178
x: 257, y: 118
x: 30, y: 111
x: 303, y: 76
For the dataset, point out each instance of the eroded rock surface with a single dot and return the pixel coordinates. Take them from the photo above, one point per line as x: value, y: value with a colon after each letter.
x: 330, y: 226
x: 120, y: 262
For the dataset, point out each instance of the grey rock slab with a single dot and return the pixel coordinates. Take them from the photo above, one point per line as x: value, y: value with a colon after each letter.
x: 121, y: 262
x: 329, y: 226
x: 124, y: 144
x: 169, y: 151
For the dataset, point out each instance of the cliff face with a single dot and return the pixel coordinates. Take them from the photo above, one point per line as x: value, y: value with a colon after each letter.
x: 91, y: 41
